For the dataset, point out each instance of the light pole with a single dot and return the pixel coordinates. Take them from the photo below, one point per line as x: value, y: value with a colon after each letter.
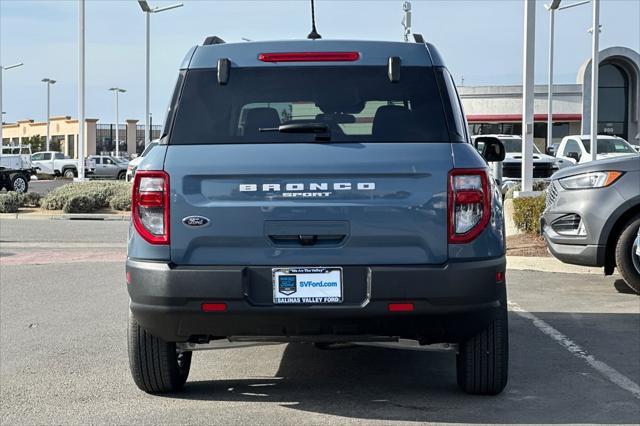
x: 527, y: 94
x: 8, y: 67
x: 148, y: 10
x: 552, y: 7
x: 49, y: 82
x: 116, y: 91
x: 81, y: 130
x: 406, y: 20
x: 595, y: 65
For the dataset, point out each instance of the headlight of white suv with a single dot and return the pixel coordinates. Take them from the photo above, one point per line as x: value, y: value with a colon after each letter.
x: 590, y: 180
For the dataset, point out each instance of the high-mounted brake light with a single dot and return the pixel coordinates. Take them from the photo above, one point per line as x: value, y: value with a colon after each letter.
x: 150, y: 206
x: 469, y: 204
x: 309, y: 57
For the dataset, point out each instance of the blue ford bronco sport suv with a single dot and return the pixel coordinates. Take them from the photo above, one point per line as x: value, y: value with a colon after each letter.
x: 316, y: 191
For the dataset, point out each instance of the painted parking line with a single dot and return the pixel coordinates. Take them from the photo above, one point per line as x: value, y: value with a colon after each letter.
x: 576, y: 350
x: 50, y: 257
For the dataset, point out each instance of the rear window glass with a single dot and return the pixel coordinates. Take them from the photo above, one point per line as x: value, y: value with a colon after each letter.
x: 357, y: 104
x: 609, y: 146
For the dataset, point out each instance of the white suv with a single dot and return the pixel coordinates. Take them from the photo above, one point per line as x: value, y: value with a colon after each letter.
x: 577, y: 148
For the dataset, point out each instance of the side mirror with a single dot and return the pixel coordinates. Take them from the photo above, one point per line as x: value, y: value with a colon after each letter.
x: 492, y: 148
x: 551, y: 151
x: 574, y: 156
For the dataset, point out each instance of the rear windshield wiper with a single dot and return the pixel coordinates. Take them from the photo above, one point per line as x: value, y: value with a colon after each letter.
x: 321, y: 130
x: 298, y: 128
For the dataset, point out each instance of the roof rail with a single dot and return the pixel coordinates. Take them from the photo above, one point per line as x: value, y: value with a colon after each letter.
x: 418, y: 38
x: 213, y: 40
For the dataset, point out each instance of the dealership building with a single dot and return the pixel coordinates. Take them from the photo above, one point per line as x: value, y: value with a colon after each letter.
x: 489, y: 110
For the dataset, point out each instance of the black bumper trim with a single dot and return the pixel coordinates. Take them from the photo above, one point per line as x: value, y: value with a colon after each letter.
x: 448, y: 300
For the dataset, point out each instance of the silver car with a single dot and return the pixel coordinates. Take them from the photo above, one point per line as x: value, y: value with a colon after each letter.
x: 593, y: 215
x: 110, y: 167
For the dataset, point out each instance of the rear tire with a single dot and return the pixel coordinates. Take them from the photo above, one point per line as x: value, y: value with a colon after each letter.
x: 483, y: 361
x: 624, y: 254
x: 69, y: 173
x: 156, y: 365
x: 19, y: 184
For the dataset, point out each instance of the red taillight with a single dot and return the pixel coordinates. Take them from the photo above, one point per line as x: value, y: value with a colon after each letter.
x: 309, y: 57
x: 150, y: 205
x: 400, y: 307
x: 469, y: 204
x: 214, y: 307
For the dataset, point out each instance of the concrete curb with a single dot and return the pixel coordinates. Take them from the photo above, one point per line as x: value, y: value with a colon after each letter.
x: 548, y: 264
x: 65, y: 216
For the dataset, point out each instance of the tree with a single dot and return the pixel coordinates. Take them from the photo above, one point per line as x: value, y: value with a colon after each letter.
x: 37, y: 142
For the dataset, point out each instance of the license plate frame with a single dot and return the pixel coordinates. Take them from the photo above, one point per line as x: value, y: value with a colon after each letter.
x: 307, y: 285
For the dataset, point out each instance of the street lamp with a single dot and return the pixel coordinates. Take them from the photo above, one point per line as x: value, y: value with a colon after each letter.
x: 116, y: 91
x: 8, y: 67
x: 148, y: 10
x: 49, y: 82
x: 406, y: 19
x: 552, y: 7
x: 81, y: 88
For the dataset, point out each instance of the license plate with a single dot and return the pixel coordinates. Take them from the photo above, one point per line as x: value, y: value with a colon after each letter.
x: 308, y: 285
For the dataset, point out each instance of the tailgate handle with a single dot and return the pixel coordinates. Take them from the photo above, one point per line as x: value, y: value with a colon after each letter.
x: 307, y: 240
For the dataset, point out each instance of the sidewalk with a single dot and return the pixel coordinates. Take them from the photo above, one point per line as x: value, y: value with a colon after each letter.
x: 548, y: 264
x: 38, y: 214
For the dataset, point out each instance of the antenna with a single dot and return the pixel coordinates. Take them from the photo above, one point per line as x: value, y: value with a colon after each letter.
x: 313, y: 35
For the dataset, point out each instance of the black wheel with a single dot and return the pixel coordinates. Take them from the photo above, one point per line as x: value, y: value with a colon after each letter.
x: 69, y: 173
x: 627, y: 261
x: 483, y: 361
x: 156, y: 365
x: 20, y: 184
x: 122, y: 175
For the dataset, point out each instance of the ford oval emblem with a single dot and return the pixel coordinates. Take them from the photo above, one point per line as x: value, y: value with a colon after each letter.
x: 195, y: 221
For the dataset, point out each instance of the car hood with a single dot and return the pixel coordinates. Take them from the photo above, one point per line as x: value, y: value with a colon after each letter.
x: 625, y: 163
x: 513, y: 157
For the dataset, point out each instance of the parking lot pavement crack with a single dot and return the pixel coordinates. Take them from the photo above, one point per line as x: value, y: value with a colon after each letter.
x: 576, y: 350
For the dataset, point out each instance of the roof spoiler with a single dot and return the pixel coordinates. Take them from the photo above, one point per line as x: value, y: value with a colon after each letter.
x: 418, y: 38
x: 213, y: 40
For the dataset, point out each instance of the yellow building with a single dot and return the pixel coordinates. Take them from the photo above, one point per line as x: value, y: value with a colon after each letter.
x: 64, y: 135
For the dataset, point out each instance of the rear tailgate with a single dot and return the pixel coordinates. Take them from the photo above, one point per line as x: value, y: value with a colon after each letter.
x: 309, y: 204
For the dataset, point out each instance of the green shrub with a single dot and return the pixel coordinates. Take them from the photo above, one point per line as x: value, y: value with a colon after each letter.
x: 80, y: 204
x: 121, y: 202
x: 10, y: 202
x: 537, y: 186
x: 99, y: 192
x: 31, y: 199
x: 527, y: 212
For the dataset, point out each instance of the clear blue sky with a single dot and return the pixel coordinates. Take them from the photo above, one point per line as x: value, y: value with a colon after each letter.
x: 480, y: 40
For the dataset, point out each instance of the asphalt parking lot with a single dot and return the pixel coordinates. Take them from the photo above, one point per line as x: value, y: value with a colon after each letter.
x: 575, y: 353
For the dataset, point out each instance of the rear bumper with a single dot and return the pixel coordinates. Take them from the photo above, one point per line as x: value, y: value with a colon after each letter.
x: 451, y: 301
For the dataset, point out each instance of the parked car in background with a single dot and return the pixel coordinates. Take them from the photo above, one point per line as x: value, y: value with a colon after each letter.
x: 316, y: 191
x: 593, y: 215
x: 109, y: 167
x: 57, y: 164
x: 133, y: 164
x: 543, y: 165
x: 16, y: 168
x: 577, y: 149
